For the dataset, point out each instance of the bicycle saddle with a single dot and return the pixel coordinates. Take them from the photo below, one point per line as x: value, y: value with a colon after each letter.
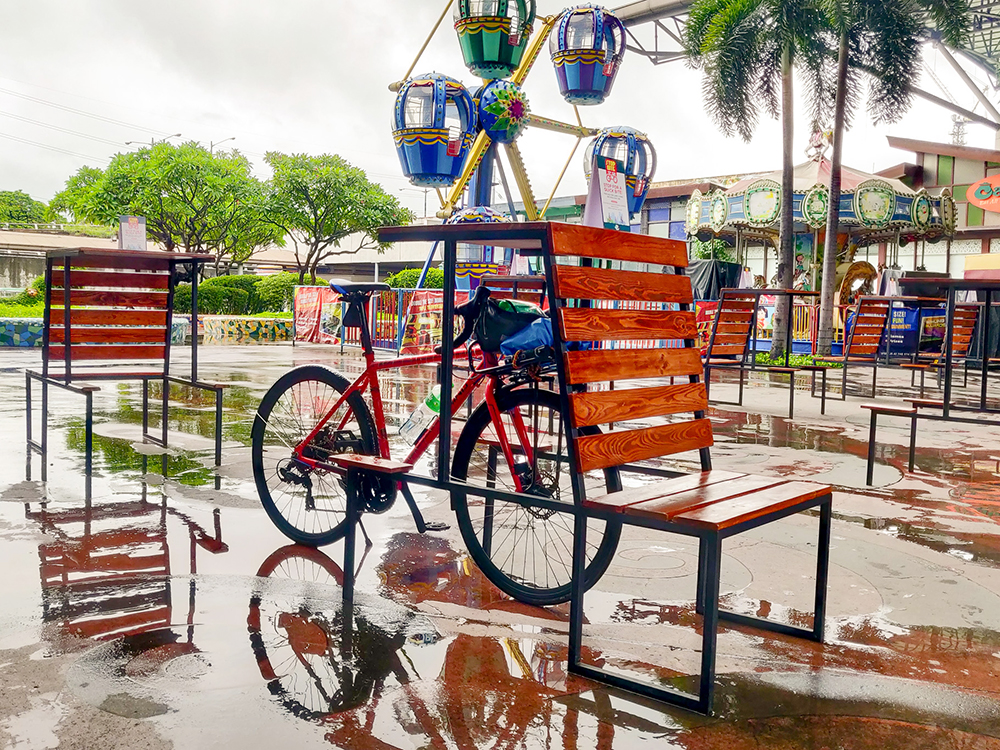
x: 345, y: 287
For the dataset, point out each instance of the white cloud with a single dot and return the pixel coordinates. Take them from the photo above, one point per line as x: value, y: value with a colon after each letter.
x: 312, y: 76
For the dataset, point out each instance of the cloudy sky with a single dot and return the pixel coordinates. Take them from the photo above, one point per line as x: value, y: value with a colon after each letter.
x: 79, y: 79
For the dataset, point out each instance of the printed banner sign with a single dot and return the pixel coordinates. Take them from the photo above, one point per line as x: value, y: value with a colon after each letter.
x: 985, y: 193
x: 131, y: 233
x: 317, y: 315
x: 423, y: 321
x: 705, y: 312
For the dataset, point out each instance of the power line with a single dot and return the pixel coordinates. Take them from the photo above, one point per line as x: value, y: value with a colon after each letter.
x: 61, y: 130
x: 81, y: 112
x: 50, y: 148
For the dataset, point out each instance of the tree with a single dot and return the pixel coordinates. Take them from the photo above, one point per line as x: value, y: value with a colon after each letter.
x: 17, y: 207
x: 68, y: 204
x: 320, y: 200
x: 878, y: 41
x: 191, y: 198
x: 748, y: 50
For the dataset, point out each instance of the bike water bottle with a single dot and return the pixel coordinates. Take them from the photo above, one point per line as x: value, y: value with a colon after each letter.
x: 422, y: 416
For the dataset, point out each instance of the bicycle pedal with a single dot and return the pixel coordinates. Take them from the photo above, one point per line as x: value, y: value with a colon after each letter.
x: 436, y: 526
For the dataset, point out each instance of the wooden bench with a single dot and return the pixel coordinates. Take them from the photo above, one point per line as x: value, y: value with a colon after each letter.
x: 871, y: 319
x: 708, y: 505
x: 728, y: 348
x: 112, y: 321
x: 966, y: 316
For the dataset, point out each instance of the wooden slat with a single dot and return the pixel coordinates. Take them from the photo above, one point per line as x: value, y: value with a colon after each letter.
x: 724, y: 515
x: 120, y: 280
x: 620, y: 364
x: 670, y: 506
x: 84, y: 298
x: 590, y: 324
x: 600, y: 407
x: 864, y: 349
x: 574, y: 239
x: 725, y: 351
x: 661, y: 488
x: 625, y: 446
x: 730, y: 338
x: 108, y: 335
x: 736, y: 305
x: 133, y: 622
x: 735, y: 316
x: 97, y: 351
x: 110, y: 317
x: 742, y: 328
x: 574, y: 282
x: 110, y: 261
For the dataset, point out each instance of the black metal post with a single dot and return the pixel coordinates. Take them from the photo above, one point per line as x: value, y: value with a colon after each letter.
x: 984, y: 351
x: 949, y: 335
x: 447, y: 357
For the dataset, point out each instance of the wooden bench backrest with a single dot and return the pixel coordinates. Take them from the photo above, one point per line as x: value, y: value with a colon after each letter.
x: 964, y: 327
x: 733, y: 325
x: 118, y: 311
x: 528, y: 288
x: 597, y: 327
x: 870, y: 320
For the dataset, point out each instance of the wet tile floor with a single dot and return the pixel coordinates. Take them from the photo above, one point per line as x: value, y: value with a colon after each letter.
x: 168, y: 611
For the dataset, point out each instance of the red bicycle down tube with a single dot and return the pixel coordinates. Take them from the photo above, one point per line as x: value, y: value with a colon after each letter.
x: 355, y: 386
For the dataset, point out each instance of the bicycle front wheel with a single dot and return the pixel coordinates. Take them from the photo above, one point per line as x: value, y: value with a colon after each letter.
x: 527, y: 551
x: 306, y: 504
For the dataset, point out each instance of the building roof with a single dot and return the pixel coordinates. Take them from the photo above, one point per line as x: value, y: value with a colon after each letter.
x: 944, y: 149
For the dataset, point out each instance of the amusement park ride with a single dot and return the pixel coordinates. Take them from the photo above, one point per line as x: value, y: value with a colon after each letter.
x: 447, y: 137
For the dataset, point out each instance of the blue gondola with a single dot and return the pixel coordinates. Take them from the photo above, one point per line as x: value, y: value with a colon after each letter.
x: 434, y: 124
x: 587, y: 46
x: 635, y: 151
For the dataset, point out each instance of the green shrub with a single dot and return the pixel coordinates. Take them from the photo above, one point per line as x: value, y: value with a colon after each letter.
x: 245, y: 282
x: 33, y: 294
x: 212, y: 300
x: 408, y: 278
x: 276, y: 291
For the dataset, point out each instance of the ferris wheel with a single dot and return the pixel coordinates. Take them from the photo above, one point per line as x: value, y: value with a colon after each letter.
x: 447, y: 137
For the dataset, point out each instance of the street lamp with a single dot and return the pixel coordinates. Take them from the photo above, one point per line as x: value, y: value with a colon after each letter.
x: 152, y: 141
x: 213, y: 144
x: 418, y: 190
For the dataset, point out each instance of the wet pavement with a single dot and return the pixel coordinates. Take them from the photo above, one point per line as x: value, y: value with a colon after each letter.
x: 167, y: 611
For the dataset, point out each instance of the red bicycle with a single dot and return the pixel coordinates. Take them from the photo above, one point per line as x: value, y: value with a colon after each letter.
x: 513, y: 440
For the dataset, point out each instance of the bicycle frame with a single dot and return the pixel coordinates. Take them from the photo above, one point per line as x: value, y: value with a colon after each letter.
x: 368, y: 380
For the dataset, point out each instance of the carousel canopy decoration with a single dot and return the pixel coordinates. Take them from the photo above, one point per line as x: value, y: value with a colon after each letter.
x: 867, y: 202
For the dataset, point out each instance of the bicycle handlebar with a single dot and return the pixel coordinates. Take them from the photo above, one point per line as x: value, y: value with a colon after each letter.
x: 469, y: 312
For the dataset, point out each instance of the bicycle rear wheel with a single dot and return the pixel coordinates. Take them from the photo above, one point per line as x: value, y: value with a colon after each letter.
x: 307, y: 505
x: 527, y: 552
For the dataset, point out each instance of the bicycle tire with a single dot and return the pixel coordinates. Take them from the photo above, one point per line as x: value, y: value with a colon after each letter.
x: 302, y: 397
x: 542, y: 536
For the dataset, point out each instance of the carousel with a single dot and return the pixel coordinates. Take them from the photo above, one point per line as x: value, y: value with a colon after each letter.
x: 875, y: 213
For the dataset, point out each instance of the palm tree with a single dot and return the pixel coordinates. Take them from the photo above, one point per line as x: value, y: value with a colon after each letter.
x: 877, y: 40
x: 748, y: 50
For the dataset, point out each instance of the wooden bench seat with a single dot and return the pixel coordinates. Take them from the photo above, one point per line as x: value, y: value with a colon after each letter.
x: 710, y: 505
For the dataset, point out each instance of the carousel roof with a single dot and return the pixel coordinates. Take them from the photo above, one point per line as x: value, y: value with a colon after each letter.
x: 812, y: 173
x: 872, y: 206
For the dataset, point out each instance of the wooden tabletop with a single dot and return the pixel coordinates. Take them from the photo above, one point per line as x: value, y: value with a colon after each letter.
x: 64, y: 252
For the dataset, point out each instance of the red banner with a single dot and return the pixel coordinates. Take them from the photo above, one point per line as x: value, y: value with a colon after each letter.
x: 705, y: 317
x: 423, y: 321
x: 317, y: 315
